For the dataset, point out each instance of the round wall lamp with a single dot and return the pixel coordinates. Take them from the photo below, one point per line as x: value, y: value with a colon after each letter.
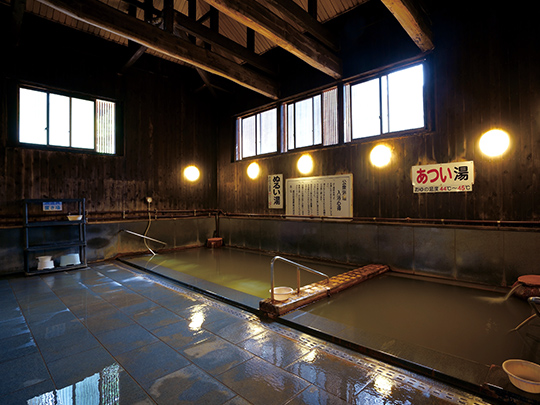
x: 253, y: 170
x: 192, y: 173
x: 494, y: 142
x: 380, y: 155
x: 305, y: 164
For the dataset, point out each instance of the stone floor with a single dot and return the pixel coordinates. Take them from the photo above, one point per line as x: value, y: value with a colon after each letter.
x: 113, y: 335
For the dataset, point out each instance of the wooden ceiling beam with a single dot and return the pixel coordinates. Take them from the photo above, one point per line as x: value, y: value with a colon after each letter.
x: 215, y: 39
x: 107, y: 18
x: 296, y: 15
x: 412, y: 22
x: 254, y: 15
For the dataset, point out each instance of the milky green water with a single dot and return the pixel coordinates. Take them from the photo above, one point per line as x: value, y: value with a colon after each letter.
x: 386, y: 312
x: 244, y: 271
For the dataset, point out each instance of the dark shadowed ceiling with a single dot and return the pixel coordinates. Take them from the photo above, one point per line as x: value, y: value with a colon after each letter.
x: 228, y: 38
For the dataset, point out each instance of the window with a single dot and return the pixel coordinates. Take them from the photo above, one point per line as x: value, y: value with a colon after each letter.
x: 57, y: 120
x: 312, y: 121
x: 389, y: 103
x: 257, y: 134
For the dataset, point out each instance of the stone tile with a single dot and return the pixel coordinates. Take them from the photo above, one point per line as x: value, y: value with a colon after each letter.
x: 22, y: 372
x: 260, y: 382
x: 315, y: 395
x: 155, y: 318
x: 72, y: 369
x: 18, y: 345
x: 125, y: 339
x: 138, y: 306
x: 181, y: 334
x: 326, y: 372
x: 235, y: 330
x: 107, y: 322
x: 275, y: 349
x: 151, y: 362
x: 54, y: 325
x: 39, y: 393
x: 107, y: 287
x: 13, y: 327
x: 188, y: 385
x: 75, y: 342
x: 237, y: 400
x: 215, y: 355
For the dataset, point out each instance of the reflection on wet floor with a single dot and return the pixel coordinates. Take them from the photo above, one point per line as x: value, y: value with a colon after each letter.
x: 101, y: 388
x: 111, y: 335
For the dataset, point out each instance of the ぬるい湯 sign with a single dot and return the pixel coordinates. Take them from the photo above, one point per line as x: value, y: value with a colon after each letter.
x: 275, y: 191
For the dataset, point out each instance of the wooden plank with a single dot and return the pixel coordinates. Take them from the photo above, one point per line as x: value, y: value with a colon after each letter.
x: 296, y: 15
x: 255, y: 16
x: 412, y: 22
x: 215, y: 39
x: 98, y: 14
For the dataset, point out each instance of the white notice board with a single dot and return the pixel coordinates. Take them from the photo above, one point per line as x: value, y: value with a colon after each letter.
x: 324, y: 196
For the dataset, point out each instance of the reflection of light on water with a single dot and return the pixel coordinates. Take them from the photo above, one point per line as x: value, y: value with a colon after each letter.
x: 383, y: 385
x: 311, y: 356
x: 101, y: 388
x: 197, y: 320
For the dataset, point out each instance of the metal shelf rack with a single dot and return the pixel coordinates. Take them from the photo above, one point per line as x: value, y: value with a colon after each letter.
x: 47, y: 231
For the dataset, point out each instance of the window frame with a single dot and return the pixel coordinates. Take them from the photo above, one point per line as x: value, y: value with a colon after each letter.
x: 347, y: 110
x: 325, y: 141
x: 14, y: 114
x: 342, y: 132
x: 239, y: 133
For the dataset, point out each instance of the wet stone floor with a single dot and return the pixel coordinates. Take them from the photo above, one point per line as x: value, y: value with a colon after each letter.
x: 113, y: 335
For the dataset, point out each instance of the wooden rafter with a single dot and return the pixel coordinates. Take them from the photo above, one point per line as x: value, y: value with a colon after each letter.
x: 412, y: 22
x: 107, y: 18
x: 254, y: 15
x: 295, y: 14
x: 234, y: 49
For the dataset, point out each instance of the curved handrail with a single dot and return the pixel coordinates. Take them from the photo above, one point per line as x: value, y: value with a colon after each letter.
x: 533, y: 301
x: 298, y: 267
x: 143, y: 236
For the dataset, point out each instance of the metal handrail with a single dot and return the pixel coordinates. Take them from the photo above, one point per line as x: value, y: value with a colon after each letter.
x: 145, y: 237
x: 533, y: 301
x: 298, y: 267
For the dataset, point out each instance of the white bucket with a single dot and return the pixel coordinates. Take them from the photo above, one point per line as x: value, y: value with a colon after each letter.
x: 45, y: 262
x: 525, y: 375
x: 70, y: 259
x: 282, y: 293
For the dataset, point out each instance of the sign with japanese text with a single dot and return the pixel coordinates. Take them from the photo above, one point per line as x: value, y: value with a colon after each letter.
x: 275, y: 191
x: 324, y: 196
x: 443, y: 177
x: 52, y: 206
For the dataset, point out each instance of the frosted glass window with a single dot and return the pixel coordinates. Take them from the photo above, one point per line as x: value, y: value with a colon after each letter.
x: 330, y: 120
x: 59, y: 119
x: 406, y: 99
x: 82, y: 124
x: 258, y: 134
x: 303, y: 118
x: 313, y: 121
x: 268, y: 131
x: 389, y: 103
x: 106, y: 126
x: 248, y: 137
x: 365, y: 109
x: 33, y: 117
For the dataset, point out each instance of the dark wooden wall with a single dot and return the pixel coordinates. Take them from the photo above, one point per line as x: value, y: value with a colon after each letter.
x: 168, y: 125
x: 483, y: 74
